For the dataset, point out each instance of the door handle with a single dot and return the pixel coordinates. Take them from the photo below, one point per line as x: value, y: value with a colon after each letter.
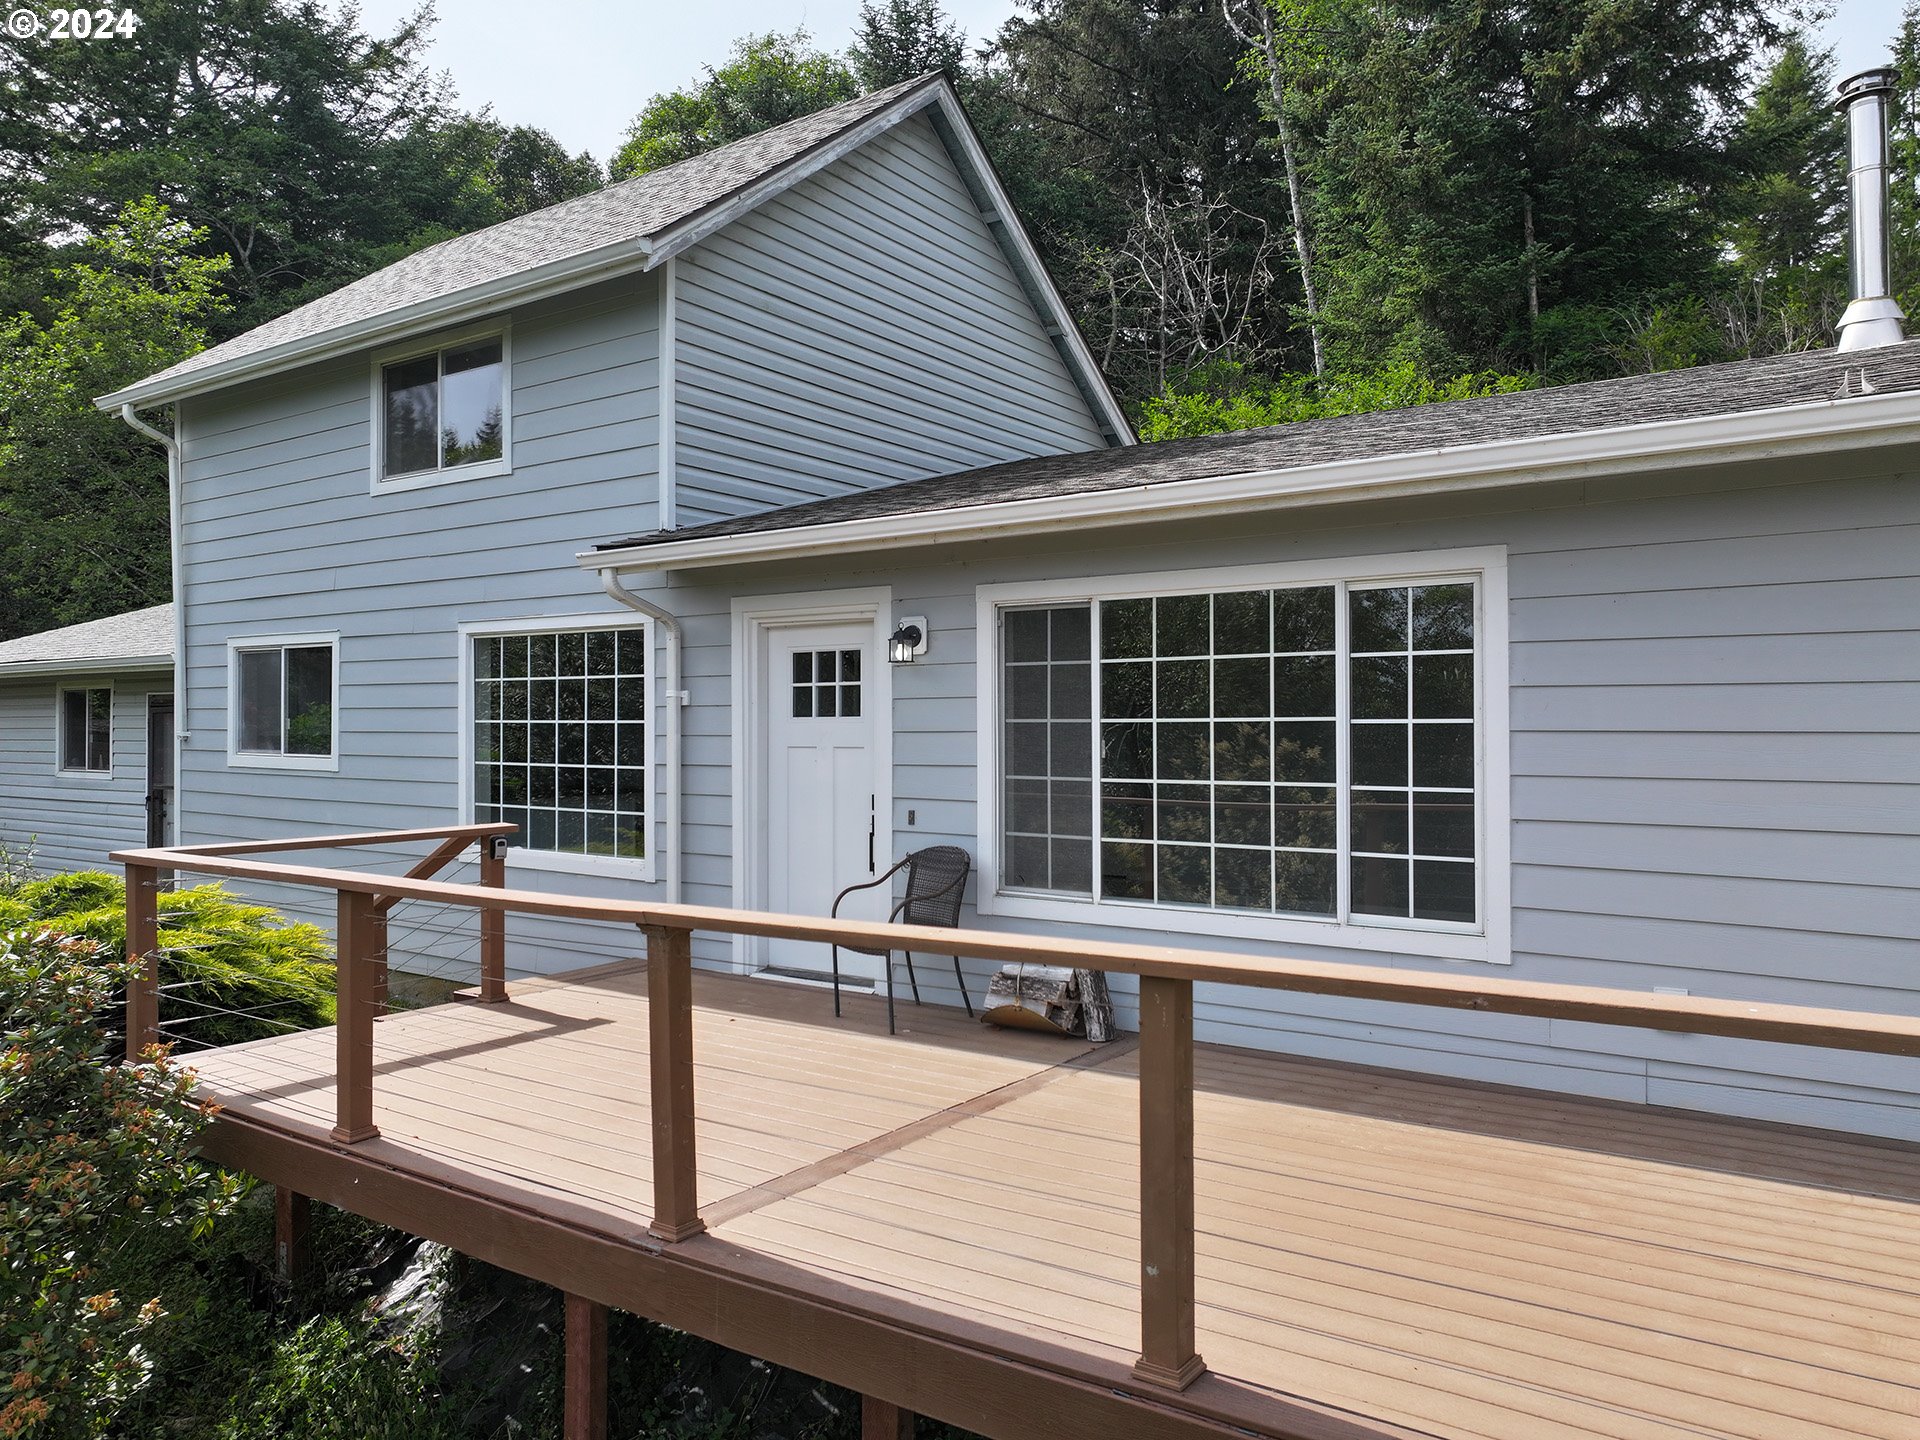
x: 871, y: 822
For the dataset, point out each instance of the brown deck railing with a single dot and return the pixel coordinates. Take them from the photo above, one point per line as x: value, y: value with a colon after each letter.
x: 1167, y: 976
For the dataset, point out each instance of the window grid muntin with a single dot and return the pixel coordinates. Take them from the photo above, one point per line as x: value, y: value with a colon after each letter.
x: 1341, y: 787
x: 575, y: 784
x: 1056, y: 777
x: 1412, y: 858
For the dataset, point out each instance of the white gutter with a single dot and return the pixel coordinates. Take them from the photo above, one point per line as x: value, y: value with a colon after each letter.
x: 464, y: 304
x: 1786, y: 430
x: 674, y: 699
x: 175, y: 518
x: 80, y: 665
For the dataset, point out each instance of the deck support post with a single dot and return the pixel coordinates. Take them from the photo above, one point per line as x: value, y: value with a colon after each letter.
x: 586, y: 1370
x: 1167, y: 1355
x: 292, y: 1222
x: 676, y: 1206
x: 493, y: 926
x: 143, y: 949
x: 354, y: 1008
x: 883, y: 1420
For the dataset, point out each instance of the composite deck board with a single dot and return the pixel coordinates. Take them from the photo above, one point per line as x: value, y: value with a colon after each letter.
x: 1461, y: 1260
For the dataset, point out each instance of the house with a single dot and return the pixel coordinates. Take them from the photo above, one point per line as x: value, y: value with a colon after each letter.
x: 736, y: 528
x: 86, y: 740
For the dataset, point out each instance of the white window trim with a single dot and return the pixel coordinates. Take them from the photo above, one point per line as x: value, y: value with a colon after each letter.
x: 239, y: 759
x: 1489, y: 942
x: 377, y: 483
x: 85, y: 777
x: 558, y: 862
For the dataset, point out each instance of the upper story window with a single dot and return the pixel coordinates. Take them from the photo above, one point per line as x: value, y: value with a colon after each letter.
x: 443, y: 412
x: 283, y: 702
x: 1317, y: 754
x: 86, y: 731
x: 559, y: 742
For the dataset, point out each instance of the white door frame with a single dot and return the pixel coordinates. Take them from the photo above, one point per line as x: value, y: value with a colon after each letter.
x: 753, y: 617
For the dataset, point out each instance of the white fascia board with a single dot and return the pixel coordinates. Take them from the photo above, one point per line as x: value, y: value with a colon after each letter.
x: 453, y: 308
x: 1719, y: 439
x: 119, y: 665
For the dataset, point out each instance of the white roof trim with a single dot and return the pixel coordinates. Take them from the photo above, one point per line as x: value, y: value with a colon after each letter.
x: 1717, y: 439
x: 79, y: 665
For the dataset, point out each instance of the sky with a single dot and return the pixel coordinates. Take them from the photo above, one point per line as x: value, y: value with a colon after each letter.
x: 583, y: 68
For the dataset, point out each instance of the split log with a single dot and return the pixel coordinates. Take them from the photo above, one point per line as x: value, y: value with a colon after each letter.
x: 1052, y: 998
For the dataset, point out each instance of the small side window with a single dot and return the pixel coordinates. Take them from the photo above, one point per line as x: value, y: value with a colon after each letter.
x: 444, y: 410
x: 86, y: 731
x: 283, y: 701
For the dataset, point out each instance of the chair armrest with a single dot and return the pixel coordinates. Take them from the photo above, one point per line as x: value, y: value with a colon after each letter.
x: 834, y: 913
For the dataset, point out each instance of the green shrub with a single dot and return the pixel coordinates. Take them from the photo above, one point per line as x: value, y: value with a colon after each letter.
x: 237, y: 971
x: 332, y: 1380
x: 95, y: 1164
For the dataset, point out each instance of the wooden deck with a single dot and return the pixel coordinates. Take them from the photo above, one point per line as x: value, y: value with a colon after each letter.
x: 1378, y: 1254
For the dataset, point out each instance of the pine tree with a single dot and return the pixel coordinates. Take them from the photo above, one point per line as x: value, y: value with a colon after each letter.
x: 899, y: 39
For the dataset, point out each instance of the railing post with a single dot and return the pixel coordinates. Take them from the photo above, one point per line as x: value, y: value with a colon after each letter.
x: 493, y: 925
x: 353, y: 1022
x: 676, y: 1207
x: 143, y: 949
x: 1167, y: 1354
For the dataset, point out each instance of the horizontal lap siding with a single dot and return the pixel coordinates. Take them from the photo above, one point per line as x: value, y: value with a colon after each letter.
x: 67, y: 822
x: 863, y: 328
x: 282, y: 536
x: 1715, y: 741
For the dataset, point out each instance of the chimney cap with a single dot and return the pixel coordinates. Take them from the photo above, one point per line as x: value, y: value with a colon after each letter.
x: 1881, y: 80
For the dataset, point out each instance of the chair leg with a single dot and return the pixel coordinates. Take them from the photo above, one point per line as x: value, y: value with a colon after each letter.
x: 887, y: 960
x: 915, y: 979
x: 836, y: 982
x: 965, y: 999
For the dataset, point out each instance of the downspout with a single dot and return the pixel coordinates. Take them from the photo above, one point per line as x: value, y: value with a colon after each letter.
x: 171, y: 444
x: 675, y: 699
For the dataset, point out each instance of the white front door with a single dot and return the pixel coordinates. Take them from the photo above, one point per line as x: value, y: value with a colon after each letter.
x: 824, y: 831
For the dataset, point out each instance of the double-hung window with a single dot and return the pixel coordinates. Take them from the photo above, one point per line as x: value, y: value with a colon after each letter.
x: 283, y: 702
x: 559, y: 740
x: 1303, y: 758
x: 86, y: 731
x: 442, y: 414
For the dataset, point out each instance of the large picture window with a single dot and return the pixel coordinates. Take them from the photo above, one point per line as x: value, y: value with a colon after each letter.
x: 1302, y: 751
x: 86, y: 731
x: 283, y: 702
x: 445, y: 410
x: 560, y: 739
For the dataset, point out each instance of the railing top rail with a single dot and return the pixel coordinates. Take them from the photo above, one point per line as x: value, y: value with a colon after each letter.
x: 336, y: 842
x: 1687, y: 1014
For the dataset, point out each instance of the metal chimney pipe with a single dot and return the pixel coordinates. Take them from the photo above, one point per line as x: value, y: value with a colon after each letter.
x: 1872, y: 315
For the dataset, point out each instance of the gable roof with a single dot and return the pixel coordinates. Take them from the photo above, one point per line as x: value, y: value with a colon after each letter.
x: 633, y: 225
x: 139, y: 639
x: 1701, y: 415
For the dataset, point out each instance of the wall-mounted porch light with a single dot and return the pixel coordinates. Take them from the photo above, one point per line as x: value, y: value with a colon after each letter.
x: 908, y: 641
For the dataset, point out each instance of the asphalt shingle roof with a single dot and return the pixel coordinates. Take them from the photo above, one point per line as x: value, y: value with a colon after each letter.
x: 136, y: 635
x: 631, y: 210
x: 1804, y: 378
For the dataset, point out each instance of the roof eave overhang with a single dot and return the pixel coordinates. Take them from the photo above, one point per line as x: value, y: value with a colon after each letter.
x: 117, y: 665
x: 590, y: 267
x: 1860, y: 423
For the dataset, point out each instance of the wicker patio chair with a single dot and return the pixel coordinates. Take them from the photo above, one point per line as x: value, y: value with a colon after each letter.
x: 936, y: 881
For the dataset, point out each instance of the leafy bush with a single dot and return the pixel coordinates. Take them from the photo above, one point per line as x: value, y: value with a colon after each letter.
x: 240, y: 971
x: 1223, y: 396
x: 95, y: 1161
x: 331, y: 1380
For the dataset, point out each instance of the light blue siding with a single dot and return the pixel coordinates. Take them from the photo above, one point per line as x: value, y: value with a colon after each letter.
x: 282, y: 536
x: 861, y: 329
x: 72, y: 822
x: 1714, y: 783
